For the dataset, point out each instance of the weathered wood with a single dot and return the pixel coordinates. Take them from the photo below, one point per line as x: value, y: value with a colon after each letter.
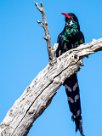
x: 40, y: 92
x: 44, y: 25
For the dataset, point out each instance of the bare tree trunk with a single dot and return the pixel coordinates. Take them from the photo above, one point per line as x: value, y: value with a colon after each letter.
x: 40, y: 92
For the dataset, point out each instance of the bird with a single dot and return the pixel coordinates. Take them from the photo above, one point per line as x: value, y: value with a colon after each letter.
x: 71, y: 37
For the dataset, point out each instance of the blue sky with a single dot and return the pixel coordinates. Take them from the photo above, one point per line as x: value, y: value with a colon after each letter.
x: 23, y: 55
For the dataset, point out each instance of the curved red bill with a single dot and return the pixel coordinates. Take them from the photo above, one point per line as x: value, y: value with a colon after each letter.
x: 67, y: 15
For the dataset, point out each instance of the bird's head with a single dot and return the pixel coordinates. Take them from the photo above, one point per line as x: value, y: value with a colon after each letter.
x: 71, y: 18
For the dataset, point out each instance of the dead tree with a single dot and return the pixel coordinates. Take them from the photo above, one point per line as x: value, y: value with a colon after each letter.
x: 38, y: 95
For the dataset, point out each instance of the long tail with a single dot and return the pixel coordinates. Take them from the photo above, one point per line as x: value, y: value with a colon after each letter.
x: 72, y: 91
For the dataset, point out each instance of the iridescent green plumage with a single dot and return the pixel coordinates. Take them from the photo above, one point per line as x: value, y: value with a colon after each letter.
x: 70, y: 37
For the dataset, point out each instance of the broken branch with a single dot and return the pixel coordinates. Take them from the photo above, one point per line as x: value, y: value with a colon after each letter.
x: 44, y: 25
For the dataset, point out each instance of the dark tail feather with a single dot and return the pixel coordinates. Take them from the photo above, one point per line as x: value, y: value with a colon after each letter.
x: 78, y: 124
x: 72, y: 91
